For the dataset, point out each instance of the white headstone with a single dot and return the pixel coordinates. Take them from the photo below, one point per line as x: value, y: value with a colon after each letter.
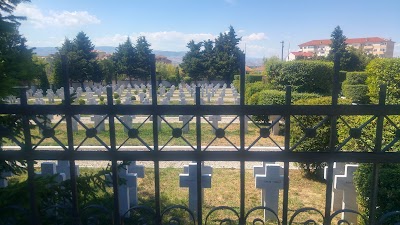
x: 271, y: 181
x: 185, y: 120
x: 3, y: 178
x: 98, y: 122
x: 139, y: 171
x: 75, y: 123
x: 214, y: 120
x: 346, y: 184
x: 337, y: 195
x: 49, y: 169
x: 64, y: 168
x: 190, y: 180
x: 275, y: 128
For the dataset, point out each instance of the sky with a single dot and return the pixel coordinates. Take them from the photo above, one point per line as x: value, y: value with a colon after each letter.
x: 170, y: 24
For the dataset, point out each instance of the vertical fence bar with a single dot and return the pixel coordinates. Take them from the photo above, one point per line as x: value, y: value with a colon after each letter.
x: 242, y: 140
x: 377, y: 149
x: 333, y: 138
x: 288, y: 99
x: 155, y: 137
x: 114, y: 163
x: 34, y: 212
x: 70, y: 136
x: 199, y: 162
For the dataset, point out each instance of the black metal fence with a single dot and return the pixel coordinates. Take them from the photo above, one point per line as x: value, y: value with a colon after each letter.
x: 154, y: 152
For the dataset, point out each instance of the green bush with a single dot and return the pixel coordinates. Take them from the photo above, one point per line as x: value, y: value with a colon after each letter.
x: 118, y: 102
x: 384, y: 71
x: 133, y: 98
x: 306, y: 76
x: 116, y: 95
x: 342, y: 76
x: 252, y: 78
x: 236, y: 77
x: 388, y: 199
x: 81, y: 102
x: 187, y: 80
x: 355, y: 78
x: 358, y: 93
x: 317, y: 131
x: 236, y: 83
x: 101, y: 98
x: 252, y: 88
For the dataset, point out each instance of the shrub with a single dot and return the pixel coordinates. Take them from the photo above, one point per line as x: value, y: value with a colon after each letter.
x: 253, y: 88
x: 342, y: 76
x: 118, y: 102
x: 388, y: 199
x: 358, y: 93
x: 133, y: 98
x: 187, y: 80
x: 236, y: 77
x: 81, y: 102
x: 317, y: 131
x: 252, y: 78
x: 354, y: 78
x: 116, y: 95
x: 384, y: 71
x: 306, y: 76
x: 236, y: 83
x: 101, y: 98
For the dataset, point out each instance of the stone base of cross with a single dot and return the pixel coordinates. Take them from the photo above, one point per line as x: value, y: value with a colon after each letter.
x: 346, y: 184
x: 189, y: 180
x: 270, y: 181
x: 337, y: 195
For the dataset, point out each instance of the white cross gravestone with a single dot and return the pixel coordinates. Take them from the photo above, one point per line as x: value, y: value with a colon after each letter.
x: 124, y: 189
x: 141, y: 96
x: 337, y: 195
x: 127, y: 120
x: 275, y: 128
x: 185, y: 120
x: 75, y: 123
x: 3, y: 178
x: 64, y: 168
x: 182, y: 101
x: 159, y: 120
x: 346, y: 184
x: 98, y: 123
x: 190, y: 180
x: 214, y: 120
x: 139, y: 171
x: 49, y: 169
x: 271, y: 181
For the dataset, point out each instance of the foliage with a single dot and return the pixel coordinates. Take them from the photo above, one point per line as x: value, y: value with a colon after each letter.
x: 192, y: 61
x: 40, y: 72
x: 273, y: 68
x: 338, y: 44
x: 124, y: 59
x: 142, y: 58
x: 305, y: 76
x: 81, y: 102
x: 107, y: 67
x: 252, y: 89
x: 316, y: 130
x: 388, y: 199
x: 354, y: 87
x: 116, y: 95
x: 251, y: 78
x: 384, y: 71
x: 213, y: 60
x: 355, y: 59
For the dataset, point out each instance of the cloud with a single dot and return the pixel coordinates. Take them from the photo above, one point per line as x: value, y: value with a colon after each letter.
x: 162, y: 40
x: 260, y: 51
x: 55, y: 18
x: 255, y: 37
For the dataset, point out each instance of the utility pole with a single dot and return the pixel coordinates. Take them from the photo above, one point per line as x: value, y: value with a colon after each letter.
x: 282, y: 42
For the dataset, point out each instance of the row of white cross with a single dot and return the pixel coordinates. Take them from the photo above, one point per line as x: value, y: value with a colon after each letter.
x: 268, y: 177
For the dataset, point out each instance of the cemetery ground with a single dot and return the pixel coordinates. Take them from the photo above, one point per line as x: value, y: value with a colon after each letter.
x: 224, y: 192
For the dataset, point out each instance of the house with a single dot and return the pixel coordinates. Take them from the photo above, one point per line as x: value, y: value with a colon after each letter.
x: 299, y: 55
x: 371, y: 45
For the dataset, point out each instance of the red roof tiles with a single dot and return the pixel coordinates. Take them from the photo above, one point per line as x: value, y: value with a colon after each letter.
x: 348, y: 41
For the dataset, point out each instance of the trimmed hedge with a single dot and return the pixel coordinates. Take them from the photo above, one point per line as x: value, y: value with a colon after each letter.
x: 252, y: 88
x: 354, y: 78
x: 306, y: 76
x: 252, y: 78
x: 275, y: 97
x: 358, y: 93
x: 354, y: 87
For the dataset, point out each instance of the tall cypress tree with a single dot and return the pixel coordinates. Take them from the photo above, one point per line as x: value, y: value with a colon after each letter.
x: 142, y: 57
x: 192, y: 62
x: 124, y: 60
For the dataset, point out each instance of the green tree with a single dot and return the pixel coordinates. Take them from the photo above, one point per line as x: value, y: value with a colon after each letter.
x: 40, y: 72
x: 124, y: 60
x: 142, y: 59
x: 192, y: 62
x: 273, y: 67
x: 227, y: 55
x: 209, y: 60
x: 108, y: 69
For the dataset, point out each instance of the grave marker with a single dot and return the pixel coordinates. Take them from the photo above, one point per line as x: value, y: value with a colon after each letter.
x: 337, y: 195
x: 64, y: 168
x: 3, y: 178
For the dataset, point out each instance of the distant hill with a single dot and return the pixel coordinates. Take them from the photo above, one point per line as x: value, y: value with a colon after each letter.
x: 175, y: 57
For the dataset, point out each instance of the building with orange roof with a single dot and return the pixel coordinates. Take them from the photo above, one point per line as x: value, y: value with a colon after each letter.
x: 371, y: 45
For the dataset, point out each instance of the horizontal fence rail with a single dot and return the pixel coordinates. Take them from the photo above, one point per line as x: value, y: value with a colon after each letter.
x: 28, y: 151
